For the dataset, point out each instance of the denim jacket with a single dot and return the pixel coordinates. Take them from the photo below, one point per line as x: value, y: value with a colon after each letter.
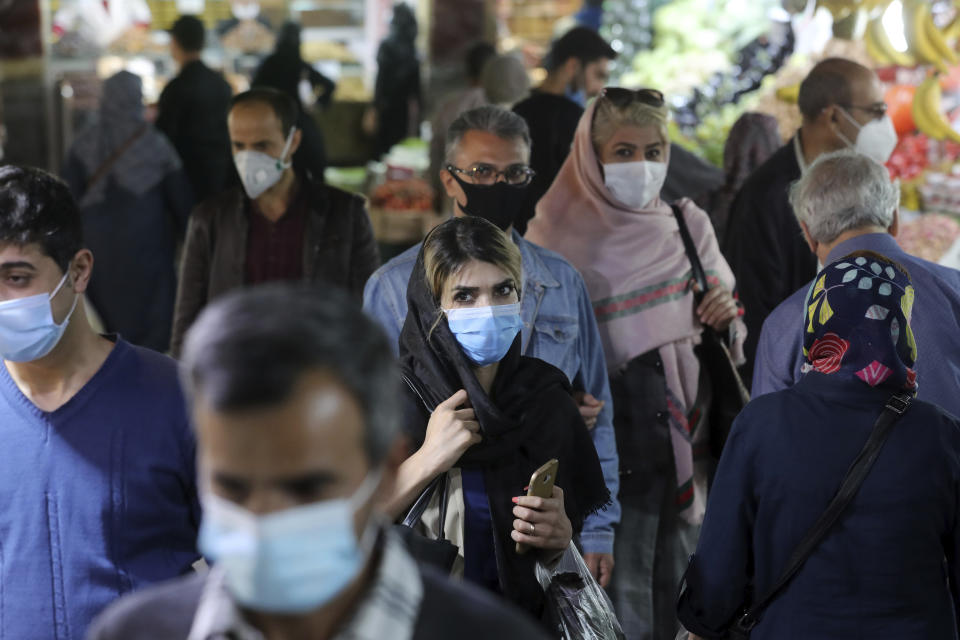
x: 558, y: 327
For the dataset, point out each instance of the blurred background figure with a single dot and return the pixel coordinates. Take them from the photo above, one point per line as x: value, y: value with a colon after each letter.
x: 753, y: 138
x: 505, y: 80
x: 192, y: 111
x: 286, y: 70
x: 577, y: 69
x: 470, y: 97
x: 134, y: 200
x: 397, y: 100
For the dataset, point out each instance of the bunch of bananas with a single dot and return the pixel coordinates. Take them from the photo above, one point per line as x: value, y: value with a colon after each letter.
x: 880, y: 49
x: 927, y: 114
x: 926, y: 41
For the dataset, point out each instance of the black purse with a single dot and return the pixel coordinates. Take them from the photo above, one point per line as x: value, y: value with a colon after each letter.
x: 744, y: 622
x: 720, y: 380
x: 438, y: 553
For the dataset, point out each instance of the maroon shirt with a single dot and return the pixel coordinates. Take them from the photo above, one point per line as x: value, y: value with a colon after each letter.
x: 275, y: 249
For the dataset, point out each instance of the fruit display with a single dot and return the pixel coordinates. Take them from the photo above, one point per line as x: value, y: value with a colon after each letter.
x: 929, y: 236
x: 927, y: 112
x: 403, y: 195
x: 924, y: 39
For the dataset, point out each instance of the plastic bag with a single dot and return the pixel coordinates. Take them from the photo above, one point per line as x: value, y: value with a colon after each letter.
x: 577, y: 607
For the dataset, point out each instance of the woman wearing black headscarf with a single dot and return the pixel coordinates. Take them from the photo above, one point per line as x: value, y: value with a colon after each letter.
x: 135, y: 200
x: 488, y: 417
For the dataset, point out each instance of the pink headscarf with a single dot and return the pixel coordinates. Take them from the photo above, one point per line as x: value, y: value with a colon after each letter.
x: 632, y: 260
x: 639, y: 280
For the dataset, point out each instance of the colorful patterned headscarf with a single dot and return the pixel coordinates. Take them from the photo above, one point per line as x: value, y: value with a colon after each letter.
x: 857, y: 322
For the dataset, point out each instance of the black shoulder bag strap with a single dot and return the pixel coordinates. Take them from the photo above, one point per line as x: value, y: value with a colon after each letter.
x: 437, y: 484
x: 856, y: 474
x: 691, y: 249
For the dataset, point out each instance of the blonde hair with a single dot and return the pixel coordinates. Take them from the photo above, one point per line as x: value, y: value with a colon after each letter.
x: 609, y: 117
x: 458, y: 241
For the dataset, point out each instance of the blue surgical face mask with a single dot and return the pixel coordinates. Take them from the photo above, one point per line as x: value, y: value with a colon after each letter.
x: 579, y: 96
x: 27, y: 329
x: 485, y: 333
x: 290, y: 561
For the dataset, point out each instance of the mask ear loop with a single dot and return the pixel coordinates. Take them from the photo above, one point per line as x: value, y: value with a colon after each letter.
x: 76, y: 298
x: 855, y: 123
x: 284, y: 164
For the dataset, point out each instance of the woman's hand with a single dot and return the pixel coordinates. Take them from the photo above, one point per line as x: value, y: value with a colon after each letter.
x: 542, y: 522
x: 718, y: 309
x: 450, y: 432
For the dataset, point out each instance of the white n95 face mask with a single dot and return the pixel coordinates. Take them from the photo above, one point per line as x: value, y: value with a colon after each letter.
x: 635, y: 184
x: 260, y: 171
x: 877, y: 139
x: 27, y: 329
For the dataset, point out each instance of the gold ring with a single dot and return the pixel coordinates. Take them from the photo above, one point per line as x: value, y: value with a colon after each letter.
x: 533, y: 529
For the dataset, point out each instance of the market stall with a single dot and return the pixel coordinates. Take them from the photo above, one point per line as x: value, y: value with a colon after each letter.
x: 716, y: 60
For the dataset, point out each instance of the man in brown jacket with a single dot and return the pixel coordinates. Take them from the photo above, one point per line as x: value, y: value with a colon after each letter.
x: 280, y: 225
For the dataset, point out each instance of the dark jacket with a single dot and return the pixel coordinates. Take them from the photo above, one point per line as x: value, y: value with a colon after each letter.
x: 764, y: 245
x: 888, y: 569
x: 553, y: 121
x: 192, y: 112
x: 448, y: 610
x: 339, y: 248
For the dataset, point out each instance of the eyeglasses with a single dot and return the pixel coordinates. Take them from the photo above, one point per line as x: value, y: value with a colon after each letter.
x: 621, y: 97
x: 517, y: 175
x: 877, y: 109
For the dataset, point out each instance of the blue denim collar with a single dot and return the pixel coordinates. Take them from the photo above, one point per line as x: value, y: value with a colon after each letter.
x: 534, y: 269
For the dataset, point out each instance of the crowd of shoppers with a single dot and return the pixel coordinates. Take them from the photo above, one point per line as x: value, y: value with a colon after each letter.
x: 302, y: 426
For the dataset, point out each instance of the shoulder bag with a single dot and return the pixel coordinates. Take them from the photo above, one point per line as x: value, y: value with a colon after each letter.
x: 749, y: 616
x: 439, y: 553
x: 728, y: 393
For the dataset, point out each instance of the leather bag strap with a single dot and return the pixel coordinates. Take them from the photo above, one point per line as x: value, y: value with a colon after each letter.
x: 691, y: 250
x: 856, y: 474
x: 439, y: 483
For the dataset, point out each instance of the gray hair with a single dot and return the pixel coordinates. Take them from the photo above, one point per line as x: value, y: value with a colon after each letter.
x: 842, y: 191
x: 505, y: 80
x: 496, y: 120
x: 248, y: 349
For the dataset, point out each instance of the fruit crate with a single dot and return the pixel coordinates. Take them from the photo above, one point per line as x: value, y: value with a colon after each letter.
x: 398, y: 227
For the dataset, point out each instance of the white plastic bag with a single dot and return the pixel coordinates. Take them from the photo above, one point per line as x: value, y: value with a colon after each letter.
x: 576, y: 605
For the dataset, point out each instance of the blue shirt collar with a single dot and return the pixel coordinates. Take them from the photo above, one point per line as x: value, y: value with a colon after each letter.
x: 882, y: 243
x: 534, y: 269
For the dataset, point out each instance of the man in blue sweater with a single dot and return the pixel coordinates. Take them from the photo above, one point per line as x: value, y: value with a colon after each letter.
x: 97, y: 483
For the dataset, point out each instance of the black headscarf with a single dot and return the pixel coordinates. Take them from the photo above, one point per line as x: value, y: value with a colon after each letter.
x: 529, y: 418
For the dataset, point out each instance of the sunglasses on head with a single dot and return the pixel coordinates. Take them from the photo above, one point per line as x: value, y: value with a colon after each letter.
x: 621, y: 97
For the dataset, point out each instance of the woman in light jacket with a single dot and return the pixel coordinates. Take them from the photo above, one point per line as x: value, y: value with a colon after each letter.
x: 604, y: 214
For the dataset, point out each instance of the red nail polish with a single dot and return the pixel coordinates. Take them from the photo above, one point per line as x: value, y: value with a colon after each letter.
x: 526, y: 488
x: 515, y: 500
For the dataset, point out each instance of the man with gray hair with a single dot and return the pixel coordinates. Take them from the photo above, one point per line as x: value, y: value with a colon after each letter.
x: 293, y: 393
x: 487, y: 175
x: 845, y: 203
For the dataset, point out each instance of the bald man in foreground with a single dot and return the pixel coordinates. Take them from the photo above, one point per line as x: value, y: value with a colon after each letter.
x: 842, y: 107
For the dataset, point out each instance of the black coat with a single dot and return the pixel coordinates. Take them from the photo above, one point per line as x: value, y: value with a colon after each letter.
x: 764, y: 245
x: 192, y: 112
x: 448, y: 610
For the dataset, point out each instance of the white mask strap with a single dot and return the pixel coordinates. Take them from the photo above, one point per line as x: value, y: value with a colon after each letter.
x: 63, y: 281
x: 286, y: 147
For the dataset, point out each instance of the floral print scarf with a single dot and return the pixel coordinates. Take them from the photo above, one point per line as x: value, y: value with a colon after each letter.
x: 857, y: 322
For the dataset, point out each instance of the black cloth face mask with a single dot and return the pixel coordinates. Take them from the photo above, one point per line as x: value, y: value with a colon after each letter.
x: 498, y: 203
